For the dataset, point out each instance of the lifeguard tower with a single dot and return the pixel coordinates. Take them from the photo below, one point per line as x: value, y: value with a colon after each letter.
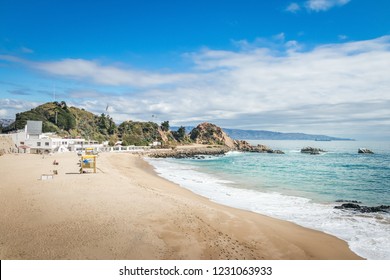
x: 89, y: 151
x: 88, y: 162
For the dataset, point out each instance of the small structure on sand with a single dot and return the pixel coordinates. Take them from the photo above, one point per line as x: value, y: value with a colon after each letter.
x: 88, y: 162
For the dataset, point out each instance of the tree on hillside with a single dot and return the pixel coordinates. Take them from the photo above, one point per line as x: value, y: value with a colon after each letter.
x: 165, y: 126
x: 106, y: 125
x: 138, y: 133
x: 62, y: 117
x: 180, y: 134
x: 194, y: 133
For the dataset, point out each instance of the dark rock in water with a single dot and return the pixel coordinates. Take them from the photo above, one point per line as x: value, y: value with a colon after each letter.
x: 350, y: 201
x: 244, y: 146
x: 194, y: 153
x: 365, y: 151
x: 382, y: 208
x: 312, y: 151
x: 364, y: 209
x: 348, y: 206
x: 199, y: 157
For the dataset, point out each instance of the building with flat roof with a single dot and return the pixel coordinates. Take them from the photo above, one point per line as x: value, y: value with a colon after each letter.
x: 32, y: 140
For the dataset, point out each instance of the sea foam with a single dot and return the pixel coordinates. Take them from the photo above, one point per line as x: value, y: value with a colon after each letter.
x: 366, y: 234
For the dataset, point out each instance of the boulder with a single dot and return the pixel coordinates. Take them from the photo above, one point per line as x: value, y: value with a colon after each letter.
x: 346, y: 200
x: 244, y: 146
x: 365, y: 151
x: 312, y: 151
x: 364, y: 209
x: 348, y: 206
x: 194, y: 153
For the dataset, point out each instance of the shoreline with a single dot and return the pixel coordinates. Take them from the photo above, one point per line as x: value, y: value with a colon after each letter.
x: 127, y: 211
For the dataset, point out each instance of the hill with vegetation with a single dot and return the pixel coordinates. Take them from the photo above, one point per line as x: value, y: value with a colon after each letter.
x: 210, y: 134
x: 68, y: 121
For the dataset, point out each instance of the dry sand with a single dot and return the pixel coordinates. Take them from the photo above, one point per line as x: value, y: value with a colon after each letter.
x: 125, y: 211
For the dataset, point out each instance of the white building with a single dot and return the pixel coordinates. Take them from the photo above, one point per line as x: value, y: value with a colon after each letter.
x: 32, y: 140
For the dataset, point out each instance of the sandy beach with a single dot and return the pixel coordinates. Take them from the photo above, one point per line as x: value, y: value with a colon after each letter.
x: 126, y: 211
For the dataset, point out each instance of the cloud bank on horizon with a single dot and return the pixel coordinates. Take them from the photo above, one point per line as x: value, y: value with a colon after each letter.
x: 329, y: 86
x: 340, y: 88
x: 316, y: 5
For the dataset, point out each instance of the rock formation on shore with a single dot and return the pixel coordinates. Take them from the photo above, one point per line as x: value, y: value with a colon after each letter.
x: 365, y: 151
x: 196, y: 152
x: 210, y: 134
x: 312, y: 151
x: 244, y: 146
x: 217, y: 142
x: 363, y: 209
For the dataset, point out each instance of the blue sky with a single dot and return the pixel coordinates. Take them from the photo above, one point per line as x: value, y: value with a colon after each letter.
x: 314, y: 66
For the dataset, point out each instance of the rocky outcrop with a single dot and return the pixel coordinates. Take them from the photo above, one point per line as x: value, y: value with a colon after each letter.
x: 312, y: 151
x: 365, y: 151
x: 244, y: 146
x: 195, y: 152
x: 351, y: 201
x: 363, y: 209
x: 210, y: 134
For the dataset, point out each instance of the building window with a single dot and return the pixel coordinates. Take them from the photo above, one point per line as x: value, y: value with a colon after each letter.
x: 46, y: 143
x: 38, y: 144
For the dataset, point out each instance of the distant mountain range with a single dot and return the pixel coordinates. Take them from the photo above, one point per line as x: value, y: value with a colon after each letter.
x: 5, y: 122
x: 272, y: 135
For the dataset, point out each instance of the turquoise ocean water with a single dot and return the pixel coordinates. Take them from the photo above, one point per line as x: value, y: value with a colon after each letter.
x: 299, y: 187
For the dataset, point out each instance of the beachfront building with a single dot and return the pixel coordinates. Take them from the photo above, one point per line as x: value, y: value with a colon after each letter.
x: 33, y: 140
x: 50, y: 143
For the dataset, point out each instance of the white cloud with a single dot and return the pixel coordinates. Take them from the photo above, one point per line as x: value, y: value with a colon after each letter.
x: 343, y: 37
x: 9, y: 107
x: 339, y: 89
x: 293, y: 46
x: 262, y: 90
x: 316, y: 5
x: 107, y: 75
x: 293, y: 8
x: 280, y: 37
x: 324, y: 5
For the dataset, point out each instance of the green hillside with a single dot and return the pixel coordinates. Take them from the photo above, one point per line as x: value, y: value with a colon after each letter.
x: 63, y: 120
x: 73, y: 122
